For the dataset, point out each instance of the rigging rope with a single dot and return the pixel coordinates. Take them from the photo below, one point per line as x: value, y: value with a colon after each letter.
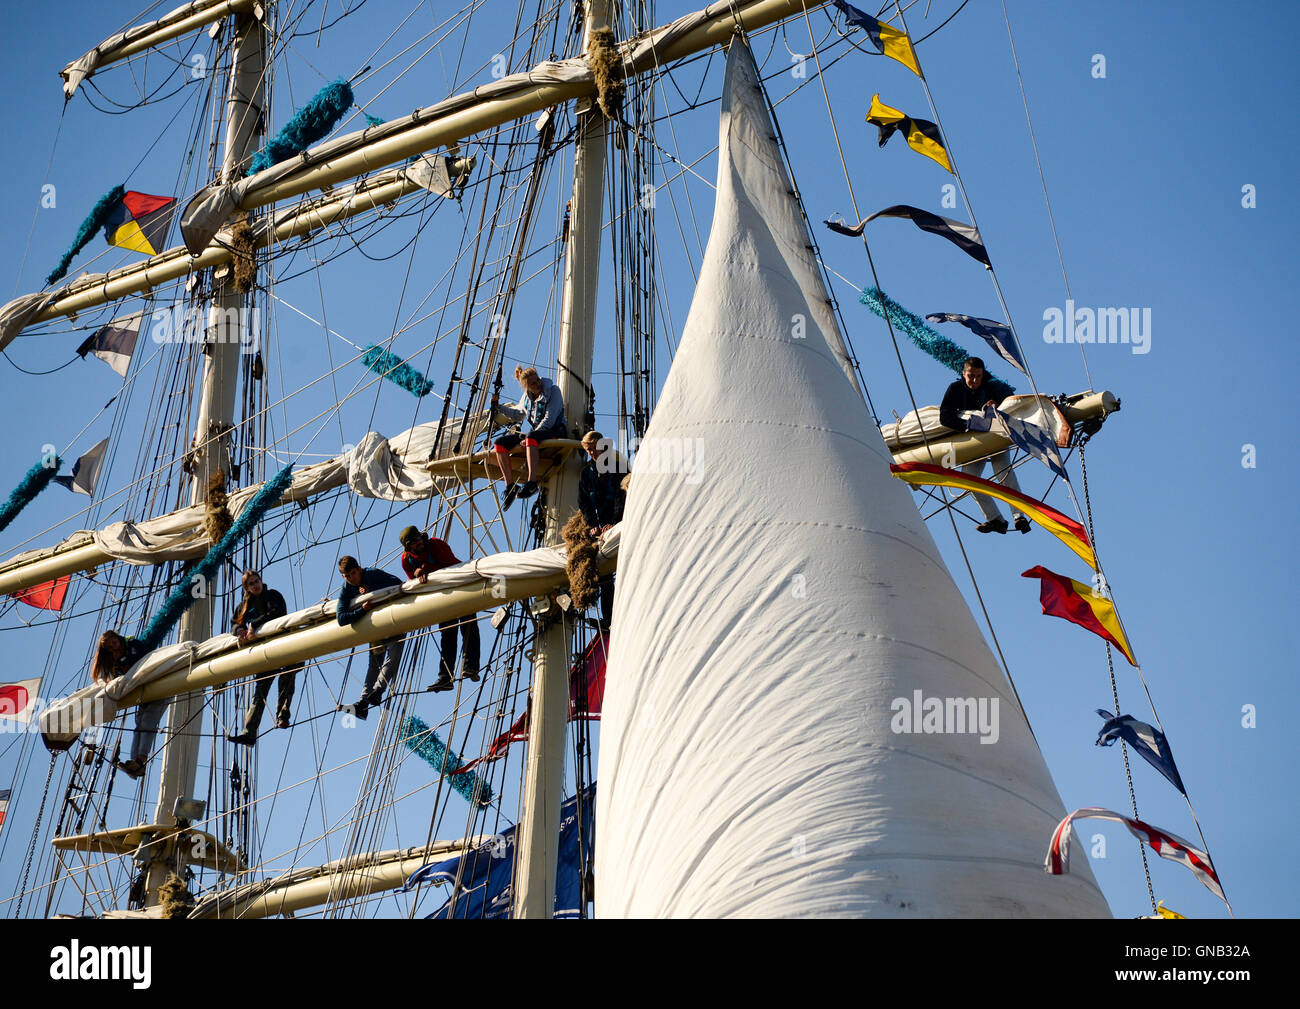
x: 1033, y: 139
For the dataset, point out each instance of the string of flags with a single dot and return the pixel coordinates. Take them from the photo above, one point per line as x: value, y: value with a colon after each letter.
x: 1059, y: 595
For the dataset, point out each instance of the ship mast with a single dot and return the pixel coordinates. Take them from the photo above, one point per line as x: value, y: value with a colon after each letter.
x: 244, y: 105
x: 539, y: 825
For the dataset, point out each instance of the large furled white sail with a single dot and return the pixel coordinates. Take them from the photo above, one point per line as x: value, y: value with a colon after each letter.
x: 779, y: 601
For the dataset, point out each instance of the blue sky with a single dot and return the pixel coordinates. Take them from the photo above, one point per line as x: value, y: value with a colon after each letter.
x: 1145, y: 168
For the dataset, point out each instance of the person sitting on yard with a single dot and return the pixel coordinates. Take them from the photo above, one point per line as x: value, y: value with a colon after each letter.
x: 543, y: 410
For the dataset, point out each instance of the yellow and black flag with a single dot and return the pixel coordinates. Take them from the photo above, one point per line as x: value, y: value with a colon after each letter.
x: 890, y: 41
x: 922, y: 135
x: 141, y: 222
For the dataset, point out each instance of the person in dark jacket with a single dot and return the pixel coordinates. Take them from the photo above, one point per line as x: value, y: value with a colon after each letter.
x: 259, y: 605
x: 386, y: 655
x: 973, y: 392
x: 601, y: 498
x: 423, y: 555
x: 114, y: 657
x: 542, y: 407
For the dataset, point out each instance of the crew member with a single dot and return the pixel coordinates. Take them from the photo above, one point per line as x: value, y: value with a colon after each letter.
x: 422, y: 556
x: 973, y: 392
x: 386, y: 655
x: 542, y: 407
x: 114, y: 656
x: 601, y: 498
x: 259, y: 605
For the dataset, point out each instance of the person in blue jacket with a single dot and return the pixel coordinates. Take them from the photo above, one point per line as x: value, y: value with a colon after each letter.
x: 542, y: 407
x: 386, y: 655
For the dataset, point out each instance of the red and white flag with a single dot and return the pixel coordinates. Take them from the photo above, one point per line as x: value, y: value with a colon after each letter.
x: 18, y: 700
x: 4, y: 804
x: 1163, y: 843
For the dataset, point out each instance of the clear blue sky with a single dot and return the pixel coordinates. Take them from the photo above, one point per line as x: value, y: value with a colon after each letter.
x: 1145, y: 167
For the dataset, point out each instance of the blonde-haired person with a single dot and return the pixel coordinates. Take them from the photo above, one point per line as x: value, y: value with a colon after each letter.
x: 260, y: 604
x: 600, y: 498
x: 542, y: 407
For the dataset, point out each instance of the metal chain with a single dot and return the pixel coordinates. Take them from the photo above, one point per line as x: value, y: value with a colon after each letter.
x: 36, y: 830
x: 1114, y: 689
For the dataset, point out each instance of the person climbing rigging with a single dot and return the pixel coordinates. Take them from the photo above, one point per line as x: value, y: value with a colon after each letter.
x: 601, y: 498
x: 542, y: 407
x: 423, y: 555
x: 973, y: 392
x: 114, y: 656
x: 259, y: 605
x: 386, y: 655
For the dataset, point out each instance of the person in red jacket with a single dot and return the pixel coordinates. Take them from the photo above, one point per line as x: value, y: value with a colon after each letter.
x: 422, y: 556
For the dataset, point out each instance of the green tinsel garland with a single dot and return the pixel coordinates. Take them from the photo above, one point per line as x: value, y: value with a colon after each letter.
x: 93, y: 222
x: 424, y: 743
x: 943, y: 350
x: 309, y: 124
x: 388, y: 365
x: 181, y: 597
x: 36, y: 480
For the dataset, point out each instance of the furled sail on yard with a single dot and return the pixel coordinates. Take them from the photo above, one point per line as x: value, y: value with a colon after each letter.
x: 773, y: 609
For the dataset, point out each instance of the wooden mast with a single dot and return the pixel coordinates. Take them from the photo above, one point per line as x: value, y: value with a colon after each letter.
x: 226, y: 320
x: 539, y: 824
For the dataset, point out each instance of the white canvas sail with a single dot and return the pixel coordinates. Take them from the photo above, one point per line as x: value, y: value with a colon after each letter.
x: 777, y: 592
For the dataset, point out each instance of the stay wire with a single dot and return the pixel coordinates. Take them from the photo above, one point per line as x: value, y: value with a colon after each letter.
x: 910, y: 395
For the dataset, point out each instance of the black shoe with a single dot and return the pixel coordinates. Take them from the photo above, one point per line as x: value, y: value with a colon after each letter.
x: 132, y: 768
x: 1022, y: 524
x: 444, y: 683
x: 512, y: 492
x: 528, y: 489
x: 358, y: 710
x: 470, y: 674
x: 282, y: 723
x: 997, y: 525
x: 243, y: 738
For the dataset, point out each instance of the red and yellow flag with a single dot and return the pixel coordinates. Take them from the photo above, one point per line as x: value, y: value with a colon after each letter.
x: 1065, y: 529
x: 141, y: 222
x: 1076, y: 602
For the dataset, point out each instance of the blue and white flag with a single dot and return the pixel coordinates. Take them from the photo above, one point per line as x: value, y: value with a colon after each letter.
x: 486, y: 874
x: 85, y: 471
x: 995, y: 334
x: 115, y: 343
x: 1033, y: 439
x: 1147, y: 740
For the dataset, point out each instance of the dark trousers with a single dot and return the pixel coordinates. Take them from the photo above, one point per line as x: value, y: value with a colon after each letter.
x: 469, y: 633
x: 606, y: 601
x: 284, y: 700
